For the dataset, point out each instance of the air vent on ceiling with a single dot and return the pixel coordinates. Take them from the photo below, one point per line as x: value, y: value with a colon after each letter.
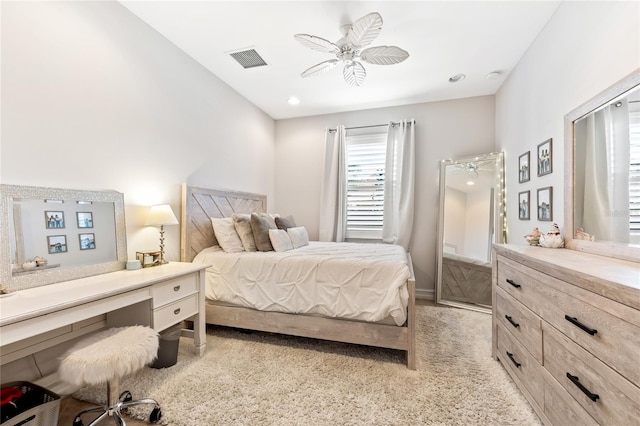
x: 248, y: 58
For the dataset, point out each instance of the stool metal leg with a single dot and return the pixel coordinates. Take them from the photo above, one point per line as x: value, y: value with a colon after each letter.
x: 114, y: 407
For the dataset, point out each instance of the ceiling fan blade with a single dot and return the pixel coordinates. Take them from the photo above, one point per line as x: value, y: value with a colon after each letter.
x: 316, y: 43
x: 365, y: 30
x: 384, y: 55
x: 320, y: 68
x: 354, y: 73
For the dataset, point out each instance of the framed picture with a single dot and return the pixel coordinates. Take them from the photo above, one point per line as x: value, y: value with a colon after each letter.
x: 85, y: 219
x: 57, y: 244
x: 54, y: 219
x: 545, y: 157
x: 545, y: 203
x: 87, y: 241
x: 524, y: 205
x: 523, y: 167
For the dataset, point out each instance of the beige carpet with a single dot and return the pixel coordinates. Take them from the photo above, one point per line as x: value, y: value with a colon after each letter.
x: 267, y: 379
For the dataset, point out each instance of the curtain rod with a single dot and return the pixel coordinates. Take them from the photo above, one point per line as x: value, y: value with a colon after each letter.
x: 393, y: 123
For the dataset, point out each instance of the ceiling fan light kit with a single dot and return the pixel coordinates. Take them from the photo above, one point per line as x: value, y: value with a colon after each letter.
x: 349, y: 50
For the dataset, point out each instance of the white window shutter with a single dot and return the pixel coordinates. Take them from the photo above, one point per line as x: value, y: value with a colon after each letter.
x: 365, y: 185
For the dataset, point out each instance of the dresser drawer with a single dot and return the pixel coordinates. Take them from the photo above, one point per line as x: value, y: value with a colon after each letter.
x: 523, y: 324
x: 579, y: 315
x: 521, y: 364
x: 608, y: 397
x: 594, y: 322
x: 560, y: 407
x: 520, y: 282
x: 175, y: 289
x: 175, y: 312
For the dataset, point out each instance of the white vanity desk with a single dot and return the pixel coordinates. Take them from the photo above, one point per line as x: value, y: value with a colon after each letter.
x: 161, y: 296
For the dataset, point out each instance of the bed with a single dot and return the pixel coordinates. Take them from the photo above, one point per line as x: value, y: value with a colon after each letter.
x: 465, y: 279
x: 389, y: 325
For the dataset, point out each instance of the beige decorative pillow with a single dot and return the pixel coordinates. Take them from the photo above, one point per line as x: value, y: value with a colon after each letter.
x: 280, y: 240
x: 226, y: 234
x: 285, y: 222
x: 260, y: 226
x: 242, y: 223
x: 299, y: 236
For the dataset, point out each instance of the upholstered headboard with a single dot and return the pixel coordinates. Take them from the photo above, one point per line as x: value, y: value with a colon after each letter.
x: 199, y: 205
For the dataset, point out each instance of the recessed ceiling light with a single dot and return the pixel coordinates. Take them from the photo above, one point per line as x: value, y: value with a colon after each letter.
x: 494, y: 74
x: 471, y: 182
x: 293, y: 100
x: 456, y: 78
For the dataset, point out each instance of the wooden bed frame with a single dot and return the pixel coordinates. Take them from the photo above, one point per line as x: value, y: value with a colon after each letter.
x: 200, y: 204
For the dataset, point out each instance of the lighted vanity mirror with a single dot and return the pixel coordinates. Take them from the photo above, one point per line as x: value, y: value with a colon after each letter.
x: 51, y: 235
x: 602, y: 154
x: 471, y: 219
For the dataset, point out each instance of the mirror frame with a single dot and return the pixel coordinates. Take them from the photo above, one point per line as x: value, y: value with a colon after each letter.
x: 51, y: 276
x: 499, y: 221
x: 602, y: 248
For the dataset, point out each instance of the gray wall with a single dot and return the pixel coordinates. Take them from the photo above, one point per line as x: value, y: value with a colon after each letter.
x: 445, y: 129
x: 93, y: 98
x: 585, y: 48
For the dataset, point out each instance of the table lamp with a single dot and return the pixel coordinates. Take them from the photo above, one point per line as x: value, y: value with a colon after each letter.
x: 161, y: 215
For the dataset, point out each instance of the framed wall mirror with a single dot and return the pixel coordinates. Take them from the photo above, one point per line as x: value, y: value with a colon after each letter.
x: 471, y: 219
x: 602, y: 166
x: 45, y: 234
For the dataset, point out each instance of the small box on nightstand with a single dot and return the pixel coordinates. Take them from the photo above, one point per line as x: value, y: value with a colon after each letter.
x: 148, y: 258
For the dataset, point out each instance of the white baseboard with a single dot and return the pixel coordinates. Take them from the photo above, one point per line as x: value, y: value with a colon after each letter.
x: 425, y: 294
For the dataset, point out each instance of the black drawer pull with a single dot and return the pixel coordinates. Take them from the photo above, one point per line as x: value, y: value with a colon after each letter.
x: 516, y: 363
x: 176, y: 288
x: 25, y: 421
x: 176, y: 311
x: 513, y: 323
x: 592, y: 396
x: 513, y: 283
x: 578, y: 324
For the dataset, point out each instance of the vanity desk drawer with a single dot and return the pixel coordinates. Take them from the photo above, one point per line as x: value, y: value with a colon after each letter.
x: 175, y: 312
x: 174, y: 289
x: 522, y: 322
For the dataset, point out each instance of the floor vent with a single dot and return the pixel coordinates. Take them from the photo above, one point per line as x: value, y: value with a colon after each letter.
x: 248, y: 58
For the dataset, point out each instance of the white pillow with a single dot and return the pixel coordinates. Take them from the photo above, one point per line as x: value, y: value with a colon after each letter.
x: 280, y: 240
x: 299, y: 236
x: 226, y: 234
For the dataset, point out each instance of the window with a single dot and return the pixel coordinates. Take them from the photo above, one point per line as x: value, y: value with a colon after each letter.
x: 365, y: 185
x: 634, y: 172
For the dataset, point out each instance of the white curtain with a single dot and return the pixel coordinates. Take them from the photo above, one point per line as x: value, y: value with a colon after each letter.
x: 606, y: 174
x: 399, y: 183
x: 333, y: 202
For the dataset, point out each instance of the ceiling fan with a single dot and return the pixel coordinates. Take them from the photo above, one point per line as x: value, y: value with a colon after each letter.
x: 350, y: 48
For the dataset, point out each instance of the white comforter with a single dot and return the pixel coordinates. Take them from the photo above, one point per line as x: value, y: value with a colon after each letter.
x: 364, y: 282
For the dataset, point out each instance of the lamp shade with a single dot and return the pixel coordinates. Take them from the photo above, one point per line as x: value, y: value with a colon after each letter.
x: 161, y: 215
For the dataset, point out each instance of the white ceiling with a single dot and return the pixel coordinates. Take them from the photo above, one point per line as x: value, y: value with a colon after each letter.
x: 443, y: 39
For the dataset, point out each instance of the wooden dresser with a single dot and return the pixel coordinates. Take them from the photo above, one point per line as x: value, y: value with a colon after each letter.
x: 566, y: 326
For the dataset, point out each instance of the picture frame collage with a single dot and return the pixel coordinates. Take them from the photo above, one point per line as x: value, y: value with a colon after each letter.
x: 544, y: 195
x: 55, y: 220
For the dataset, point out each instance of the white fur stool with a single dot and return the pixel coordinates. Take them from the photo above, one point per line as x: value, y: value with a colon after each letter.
x: 105, y: 357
